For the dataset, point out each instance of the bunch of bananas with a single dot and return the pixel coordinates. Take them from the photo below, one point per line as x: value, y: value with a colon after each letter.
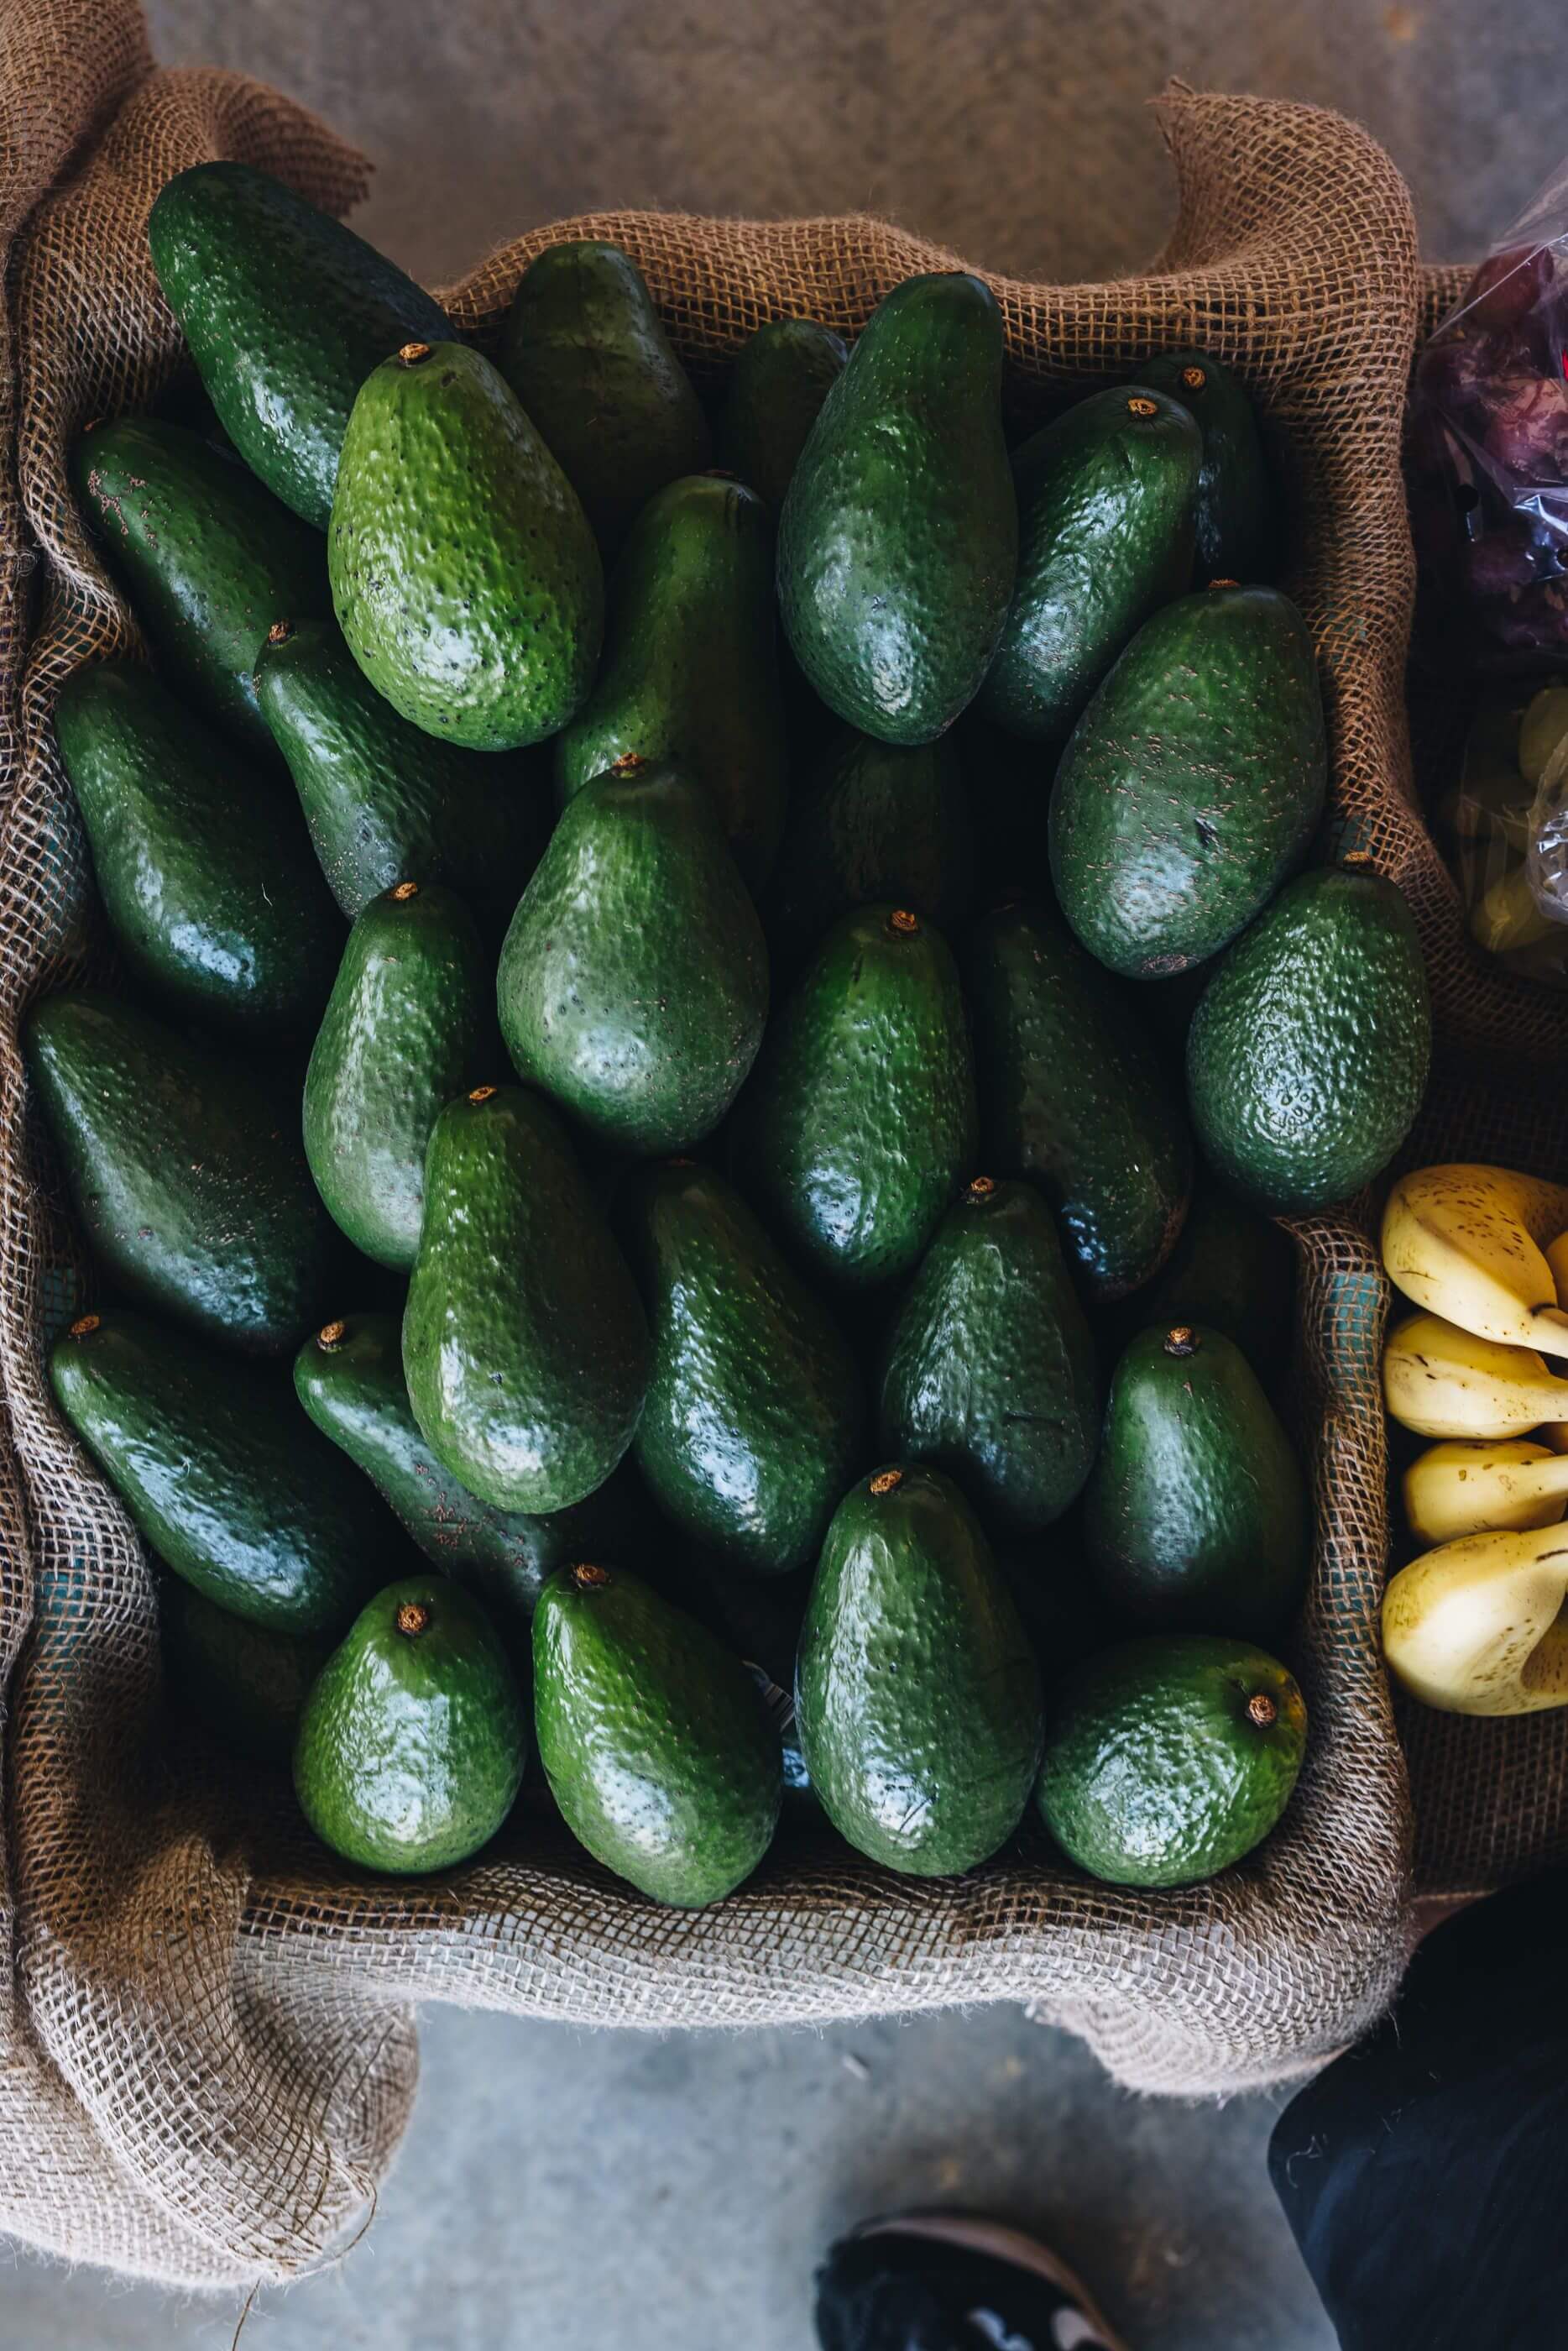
x: 1472, y: 1625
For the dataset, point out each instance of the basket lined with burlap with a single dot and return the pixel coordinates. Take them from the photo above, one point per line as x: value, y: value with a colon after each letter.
x: 206, y: 2056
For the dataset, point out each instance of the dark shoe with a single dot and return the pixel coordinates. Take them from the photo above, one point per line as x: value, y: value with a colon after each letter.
x: 952, y: 2282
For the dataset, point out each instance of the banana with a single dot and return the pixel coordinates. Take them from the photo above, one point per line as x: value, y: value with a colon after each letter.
x: 1441, y: 1380
x: 1465, y: 1487
x: 1468, y: 1243
x: 1506, y: 915
x: 1472, y: 1627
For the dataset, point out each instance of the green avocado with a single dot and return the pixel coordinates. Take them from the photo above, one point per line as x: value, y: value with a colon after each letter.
x: 464, y: 575
x: 633, y: 984
x: 1073, y: 1092
x: 413, y: 1742
x: 409, y: 1025
x: 386, y: 802
x: 1231, y: 1269
x: 1196, y: 1517
x: 1169, y: 1757
x: 185, y: 1168
x: 285, y: 312
x: 205, y: 871
x: 208, y: 559
x: 584, y: 352
x: 691, y: 672
x: 858, y: 1123
x: 222, y: 1474
x: 755, y: 1413
x: 654, y: 1738
x: 898, y: 539
x: 878, y: 822
x: 782, y: 374
x: 244, y: 1683
x: 524, y: 1346
x: 917, y: 1694
x: 1307, y: 1057
x: 1193, y: 783
x: 1237, y: 520
x: 1108, y: 503
x: 990, y: 1369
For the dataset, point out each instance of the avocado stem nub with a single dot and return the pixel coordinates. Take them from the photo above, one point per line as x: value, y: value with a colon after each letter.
x: 902, y: 923
x: 1355, y: 860
x: 412, y: 353
x: 1261, y: 1711
x: 1140, y: 405
x: 402, y: 892
x: 629, y: 763
x: 412, y: 1618
x: 886, y: 1480
x: 1194, y: 378
x: 481, y: 1093
x: 1183, y: 1341
x: 330, y: 1337
x: 981, y: 1187
x: 1224, y: 583
x: 84, y: 1326
x: 586, y: 1577
x: 280, y: 632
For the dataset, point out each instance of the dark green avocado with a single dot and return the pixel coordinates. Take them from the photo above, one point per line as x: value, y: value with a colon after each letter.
x: 1237, y: 516
x: 782, y: 374
x: 1231, y: 1269
x: 244, y: 1683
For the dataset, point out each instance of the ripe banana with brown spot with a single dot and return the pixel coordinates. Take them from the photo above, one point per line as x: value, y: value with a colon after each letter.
x: 1441, y: 1380
x: 1469, y: 1243
x: 1468, y: 1487
x: 1478, y: 1626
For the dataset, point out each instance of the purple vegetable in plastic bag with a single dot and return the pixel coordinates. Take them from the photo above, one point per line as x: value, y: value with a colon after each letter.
x: 1528, y: 431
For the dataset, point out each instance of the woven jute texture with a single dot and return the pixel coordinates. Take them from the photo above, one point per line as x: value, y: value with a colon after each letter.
x: 209, y: 2056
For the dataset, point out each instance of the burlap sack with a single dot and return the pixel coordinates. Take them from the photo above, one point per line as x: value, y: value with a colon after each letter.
x: 205, y: 2021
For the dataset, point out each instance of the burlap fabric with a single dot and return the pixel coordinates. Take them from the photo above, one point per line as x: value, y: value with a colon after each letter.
x: 204, y: 2019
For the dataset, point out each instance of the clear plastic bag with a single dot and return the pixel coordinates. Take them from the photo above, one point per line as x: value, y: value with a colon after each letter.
x: 1507, y: 825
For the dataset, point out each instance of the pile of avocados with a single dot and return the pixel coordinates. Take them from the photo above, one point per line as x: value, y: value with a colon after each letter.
x: 644, y: 1205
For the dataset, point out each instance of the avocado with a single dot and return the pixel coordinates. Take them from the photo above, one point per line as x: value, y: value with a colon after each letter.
x: 1108, y: 503
x: 878, y: 822
x: 917, y: 1694
x: 208, y: 559
x: 584, y: 349
x: 1196, y: 1517
x: 1230, y: 1269
x: 898, y: 539
x: 386, y: 802
x: 205, y: 871
x: 755, y: 1413
x: 242, y: 1683
x: 782, y: 374
x: 524, y: 1346
x: 654, y: 1738
x: 285, y: 312
x: 409, y: 1026
x: 990, y: 1369
x: 413, y: 1742
x: 185, y: 1168
x: 1193, y: 783
x: 1307, y: 1057
x: 633, y: 984
x: 222, y: 1475
x: 464, y: 575
x: 690, y: 671
x: 349, y: 1377
x: 1237, y: 520
x: 858, y: 1123
x: 1074, y: 1094
x: 1169, y: 1757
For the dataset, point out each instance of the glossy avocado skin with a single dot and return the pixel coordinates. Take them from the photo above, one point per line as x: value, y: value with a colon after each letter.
x: 585, y: 352
x: 386, y: 802
x: 525, y: 1345
x: 223, y: 1476
x: 780, y: 376
x: 1196, y: 1517
x: 208, y: 559
x: 917, y: 1694
x: 244, y: 1683
x: 858, y: 1123
x: 690, y: 672
x: 633, y: 984
x: 464, y: 575
x: 878, y: 822
x: 1237, y: 516
x: 206, y: 873
x: 413, y: 1746
x: 898, y: 539
x: 1193, y: 782
x: 653, y: 1738
x: 755, y: 1411
x: 409, y: 1026
x: 185, y: 1168
x: 1307, y: 1057
x: 285, y: 312
x: 1075, y: 1094
x: 990, y: 1369
x: 1107, y: 506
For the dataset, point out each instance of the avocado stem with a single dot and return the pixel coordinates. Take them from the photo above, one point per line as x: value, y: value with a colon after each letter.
x: 402, y: 892
x: 280, y: 632
x: 1194, y: 378
x: 481, y: 1093
x: 1261, y: 1711
x: 1182, y: 1342
x: 330, y: 1337
x: 630, y: 763
x: 412, y: 1618
x: 586, y: 1577
x: 981, y: 1187
x: 1140, y: 405
x: 886, y: 1480
x: 902, y: 923
x: 412, y: 354
x: 1224, y: 583
x: 84, y: 1326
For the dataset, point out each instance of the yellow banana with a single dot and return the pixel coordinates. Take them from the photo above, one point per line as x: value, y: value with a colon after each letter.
x: 1472, y: 1627
x: 1506, y: 917
x: 1468, y: 1243
x: 1466, y: 1486
x: 1441, y: 1380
